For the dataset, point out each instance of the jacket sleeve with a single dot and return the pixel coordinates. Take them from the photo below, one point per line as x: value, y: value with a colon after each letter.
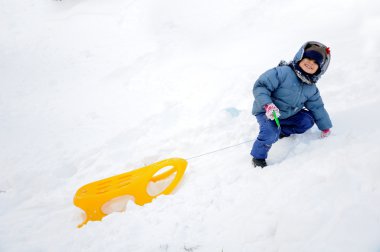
x: 316, y: 106
x: 264, y: 86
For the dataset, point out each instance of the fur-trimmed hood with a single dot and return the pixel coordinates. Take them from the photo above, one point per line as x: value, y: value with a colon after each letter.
x: 316, y: 46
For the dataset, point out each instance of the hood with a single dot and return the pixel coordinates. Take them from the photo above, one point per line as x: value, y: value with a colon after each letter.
x: 316, y: 46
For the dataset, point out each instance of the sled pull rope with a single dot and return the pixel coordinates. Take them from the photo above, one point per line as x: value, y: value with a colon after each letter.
x: 276, y: 119
x: 207, y: 153
x: 211, y: 152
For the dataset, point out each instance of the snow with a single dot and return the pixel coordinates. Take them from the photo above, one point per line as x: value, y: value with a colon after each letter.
x: 92, y: 89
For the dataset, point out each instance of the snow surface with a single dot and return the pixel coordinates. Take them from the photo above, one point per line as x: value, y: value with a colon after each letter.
x: 91, y: 89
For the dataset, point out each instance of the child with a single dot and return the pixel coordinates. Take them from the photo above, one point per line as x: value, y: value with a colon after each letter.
x: 289, y: 90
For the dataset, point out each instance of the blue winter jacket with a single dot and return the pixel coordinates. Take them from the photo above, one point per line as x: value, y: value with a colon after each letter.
x: 283, y: 87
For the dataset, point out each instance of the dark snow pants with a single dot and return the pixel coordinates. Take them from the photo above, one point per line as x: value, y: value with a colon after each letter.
x: 269, y: 132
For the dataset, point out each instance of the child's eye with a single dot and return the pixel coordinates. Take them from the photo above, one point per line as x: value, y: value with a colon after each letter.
x: 312, y: 60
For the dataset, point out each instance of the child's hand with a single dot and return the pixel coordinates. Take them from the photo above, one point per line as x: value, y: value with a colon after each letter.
x: 325, y: 133
x: 269, y: 108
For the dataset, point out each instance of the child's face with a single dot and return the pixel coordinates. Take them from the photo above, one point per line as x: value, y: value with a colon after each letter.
x: 308, y: 66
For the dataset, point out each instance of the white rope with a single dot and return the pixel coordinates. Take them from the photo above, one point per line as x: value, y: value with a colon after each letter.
x: 211, y: 152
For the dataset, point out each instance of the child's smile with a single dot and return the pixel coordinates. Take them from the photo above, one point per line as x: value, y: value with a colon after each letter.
x: 308, y: 66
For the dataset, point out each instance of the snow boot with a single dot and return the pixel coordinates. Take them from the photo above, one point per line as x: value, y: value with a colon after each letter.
x: 282, y: 135
x: 259, y: 162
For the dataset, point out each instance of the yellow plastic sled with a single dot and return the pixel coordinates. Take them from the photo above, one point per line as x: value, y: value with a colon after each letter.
x: 92, y: 197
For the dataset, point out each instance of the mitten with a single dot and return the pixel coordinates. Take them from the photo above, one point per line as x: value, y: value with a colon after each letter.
x: 269, y: 108
x: 325, y: 133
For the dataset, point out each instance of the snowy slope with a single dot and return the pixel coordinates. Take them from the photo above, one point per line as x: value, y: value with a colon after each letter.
x: 96, y: 88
